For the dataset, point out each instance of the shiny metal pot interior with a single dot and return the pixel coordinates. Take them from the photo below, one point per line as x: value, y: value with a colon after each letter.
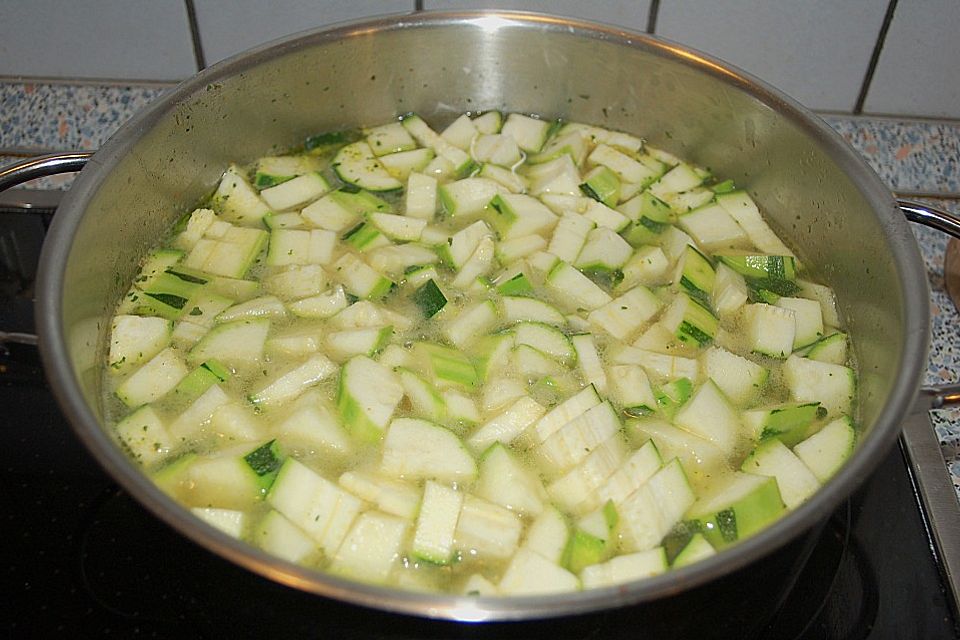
x: 818, y: 193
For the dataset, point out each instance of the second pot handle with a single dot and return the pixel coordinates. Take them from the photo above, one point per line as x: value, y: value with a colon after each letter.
x: 42, y: 166
x: 930, y: 216
x: 940, y: 395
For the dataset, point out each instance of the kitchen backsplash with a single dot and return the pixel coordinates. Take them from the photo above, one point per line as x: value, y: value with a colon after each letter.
x: 875, y: 57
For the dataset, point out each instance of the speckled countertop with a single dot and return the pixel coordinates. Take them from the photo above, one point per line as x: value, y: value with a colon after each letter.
x: 913, y: 157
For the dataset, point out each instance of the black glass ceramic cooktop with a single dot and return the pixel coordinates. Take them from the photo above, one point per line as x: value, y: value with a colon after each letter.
x: 81, y: 559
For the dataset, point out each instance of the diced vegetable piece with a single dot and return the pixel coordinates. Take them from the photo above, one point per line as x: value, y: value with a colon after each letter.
x: 367, y: 395
x: 421, y: 449
x: 744, y: 210
x: 809, y: 320
x: 295, y: 381
x: 529, y: 133
x: 577, y: 490
x: 145, y: 435
x: 487, y: 529
x: 710, y: 415
x: 371, y: 548
x: 825, y: 451
x: 832, y: 385
x: 831, y: 348
x: 516, y: 215
x: 770, y: 330
x: 439, y: 512
x: 733, y: 510
x: 787, y: 422
x: 505, y: 480
x: 625, y: 568
x: 238, y: 344
x: 713, y: 228
x: 296, y: 192
x: 135, y: 339
x: 237, y: 200
x: 794, y: 479
x: 397, y: 497
x: 277, y: 535
x: 696, y: 549
x: 625, y: 314
x: 154, y: 379
x: 357, y: 164
x: 650, y: 512
x: 229, y: 521
x: 577, y: 290
x: 589, y: 362
x: 529, y: 573
x: 507, y: 425
x: 389, y: 138
x: 314, y: 504
x: 574, y: 441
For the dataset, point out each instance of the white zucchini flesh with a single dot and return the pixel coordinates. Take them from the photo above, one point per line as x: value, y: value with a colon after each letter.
x: 420, y: 449
x: 433, y: 538
x: 145, y: 435
x: 794, y: 479
x: 320, y: 508
x: 646, y: 517
x: 371, y: 548
x: 153, y: 379
x: 291, y: 384
x: 547, y: 535
x: 574, y: 441
x: 487, y: 529
x: 529, y: 573
x: 577, y: 491
x: 826, y: 450
x: 230, y: 521
x: 832, y: 385
x: 507, y: 481
x: 625, y: 568
x: 135, y: 339
x: 295, y: 193
x: 630, y: 475
x: 508, y: 425
x: 277, y: 535
x: 566, y: 411
x: 710, y: 415
x: 589, y: 361
x: 188, y: 424
x: 313, y: 427
x: 367, y: 396
x: 393, y: 496
x: 357, y: 164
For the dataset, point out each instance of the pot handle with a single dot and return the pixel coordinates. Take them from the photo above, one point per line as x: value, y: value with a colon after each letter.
x: 940, y: 395
x: 930, y: 216
x: 24, y: 171
x: 42, y: 166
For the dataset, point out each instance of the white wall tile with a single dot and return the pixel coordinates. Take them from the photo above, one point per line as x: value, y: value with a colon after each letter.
x: 631, y: 14
x: 817, y: 51
x: 121, y: 39
x: 918, y: 72
x: 230, y: 26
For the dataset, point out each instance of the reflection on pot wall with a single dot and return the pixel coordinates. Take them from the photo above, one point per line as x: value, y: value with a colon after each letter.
x: 873, y: 56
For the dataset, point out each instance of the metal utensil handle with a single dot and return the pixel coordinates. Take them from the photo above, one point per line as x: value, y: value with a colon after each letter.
x: 24, y: 171
x: 42, y: 166
x: 939, y: 395
x: 930, y: 216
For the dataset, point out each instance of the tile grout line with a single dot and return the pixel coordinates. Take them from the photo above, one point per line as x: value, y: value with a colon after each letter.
x: 875, y: 57
x: 198, y: 56
x: 652, y: 17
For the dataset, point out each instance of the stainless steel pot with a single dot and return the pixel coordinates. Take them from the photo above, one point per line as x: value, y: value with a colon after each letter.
x: 818, y: 192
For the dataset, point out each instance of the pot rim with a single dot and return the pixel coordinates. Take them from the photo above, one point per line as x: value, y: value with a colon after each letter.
x: 55, y: 351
